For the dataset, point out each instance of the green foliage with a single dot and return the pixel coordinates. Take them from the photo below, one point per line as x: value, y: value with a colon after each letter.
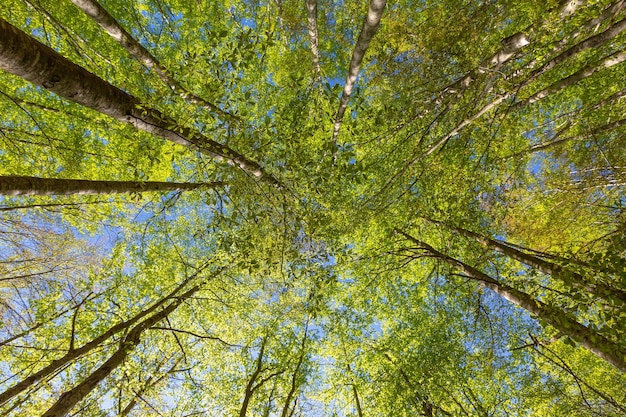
x: 311, y: 301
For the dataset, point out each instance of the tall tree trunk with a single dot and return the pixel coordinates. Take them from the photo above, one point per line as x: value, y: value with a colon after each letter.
x: 294, y: 376
x: 609, y: 61
x: 558, y: 139
x: 591, y: 42
x: 566, y: 325
x: 18, y: 185
x: 556, y: 271
x: 39, y: 64
x: 72, y: 355
x: 370, y: 25
x: 512, y: 44
x: 103, y: 18
x: 357, y: 401
x: 255, y: 381
x: 311, y: 15
x: 70, y: 398
x: 250, y: 386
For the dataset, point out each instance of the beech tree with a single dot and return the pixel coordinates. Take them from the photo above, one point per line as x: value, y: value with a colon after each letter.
x: 16, y: 185
x: 356, y: 208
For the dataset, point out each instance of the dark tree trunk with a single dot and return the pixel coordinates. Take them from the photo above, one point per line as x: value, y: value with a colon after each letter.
x: 18, y: 185
x: 74, y: 354
x: 39, y: 64
x: 70, y: 398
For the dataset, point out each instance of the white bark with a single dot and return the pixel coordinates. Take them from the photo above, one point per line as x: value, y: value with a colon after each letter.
x: 370, y: 25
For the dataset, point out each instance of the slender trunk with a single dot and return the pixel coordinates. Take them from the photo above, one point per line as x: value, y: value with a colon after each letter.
x: 557, y: 139
x: 18, y: 185
x: 357, y: 401
x: 590, y: 26
x: 72, y: 355
x: 512, y: 44
x: 39, y: 64
x: 588, y: 338
x: 554, y: 270
x: 370, y: 25
x: 250, y: 386
x: 294, y: 376
x: 441, y: 142
x: 562, y: 364
x: 70, y: 398
x: 311, y: 14
x: 103, y: 18
x: 509, y: 47
x: 355, y: 391
x: 592, y: 42
x: 609, y: 61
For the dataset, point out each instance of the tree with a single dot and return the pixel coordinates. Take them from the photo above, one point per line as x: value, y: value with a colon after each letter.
x: 50, y: 70
x: 74, y: 353
x: 590, y: 339
x: 461, y: 253
x: 16, y: 185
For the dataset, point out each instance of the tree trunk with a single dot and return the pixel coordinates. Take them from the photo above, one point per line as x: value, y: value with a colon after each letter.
x: 554, y: 270
x: 609, y: 61
x: 311, y: 14
x: 294, y: 376
x: 592, y: 42
x: 512, y: 44
x: 370, y: 25
x: 39, y: 64
x: 72, y: 355
x: 70, y: 398
x: 250, y: 386
x: 18, y: 185
x: 103, y: 18
x: 566, y: 325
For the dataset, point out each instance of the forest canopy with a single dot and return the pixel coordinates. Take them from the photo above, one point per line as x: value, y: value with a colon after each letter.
x: 312, y: 208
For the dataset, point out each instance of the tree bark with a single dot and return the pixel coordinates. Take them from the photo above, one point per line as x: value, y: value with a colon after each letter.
x: 512, y: 44
x: 294, y: 376
x: 18, y: 185
x: 566, y: 325
x: 70, y: 398
x: 370, y: 25
x: 311, y: 14
x: 554, y: 270
x: 589, y: 43
x: 39, y: 64
x: 72, y: 355
x: 592, y: 42
x: 103, y: 18
x: 250, y: 386
x: 609, y: 61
